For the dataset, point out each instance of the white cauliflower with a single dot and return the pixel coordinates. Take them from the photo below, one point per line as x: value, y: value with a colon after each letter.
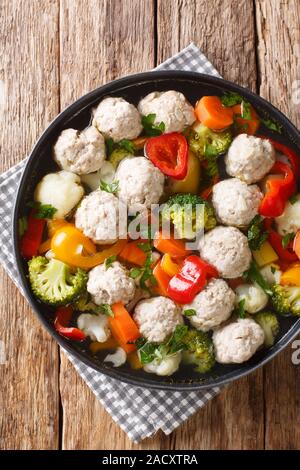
x: 118, y: 358
x: 249, y: 158
x: 169, y: 107
x: 108, y: 286
x: 255, y: 298
x: 140, y: 183
x: 106, y: 174
x: 102, y: 217
x: 271, y: 274
x: 62, y: 190
x: 213, y: 305
x: 117, y: 119
x: 236, y: 342
x: 166, y: 366
x: 157, y: 318
x: 80, y: 152
x: 94, y: 326
x: 235, y: 202
x: 289, y: 221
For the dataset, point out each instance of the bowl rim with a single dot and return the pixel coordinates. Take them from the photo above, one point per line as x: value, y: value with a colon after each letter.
x: 77, y: 106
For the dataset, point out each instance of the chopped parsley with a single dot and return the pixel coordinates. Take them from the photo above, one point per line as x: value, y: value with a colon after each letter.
x: 256, y: 234
x: 150, y: 128
x: 112, y: 188
x: 272, y: 125
x: 287, y: 239
x: 253, y: 274
x: 231, y: 98
x: 241, y: 308
x: 107, y: 310
x: 22, y: 226
x: 124, y: 144
x: 42, y: 211
x: 109, y: 261
x: 144, y: 272
x: 190, y: 312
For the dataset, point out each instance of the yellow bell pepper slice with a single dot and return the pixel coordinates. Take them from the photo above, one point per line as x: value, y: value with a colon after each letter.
x: 291, y: 277
x: 110, y: 343
x: 71, y: 246
x: 191, y: 183
x: 265, y: 255
x: 169, y: 266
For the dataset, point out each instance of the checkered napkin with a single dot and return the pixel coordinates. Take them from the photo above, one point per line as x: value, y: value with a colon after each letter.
x: 139, y: 412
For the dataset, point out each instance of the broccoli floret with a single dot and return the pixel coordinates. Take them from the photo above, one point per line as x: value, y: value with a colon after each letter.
x: 206, y: 143
x: 269, y: 323
x: 117, y: 156
x: 286, y: 299
x: 52, y: 281
x: 199, y: 351
x: 84, y: 304
x: 181, y: 209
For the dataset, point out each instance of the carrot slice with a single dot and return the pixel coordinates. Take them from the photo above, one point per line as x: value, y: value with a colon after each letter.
x: 133, y: 254
x: 175, y: 248
x: 246, y: 126
x: 210, y: 112
x: 123, y: 328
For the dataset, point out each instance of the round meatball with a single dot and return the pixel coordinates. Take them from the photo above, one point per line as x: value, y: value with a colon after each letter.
x: 249, y: 158
x: 213, y: 305
x: 100, y: 217
x: 169, y: 107
x: 235, y: 202
x: 117, y: 119
x: 227, y: 249
x: 108, y: 286
x: 80, y: 152
x: 157, y: 318
x: 140, y: 182
x: 238, y: 341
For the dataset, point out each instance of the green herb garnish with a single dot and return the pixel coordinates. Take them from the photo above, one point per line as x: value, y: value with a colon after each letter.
x: 190, y: 312
x: 231, y: 98
x: 150, y: 128
x: 246, y: 110
x: 107, y: 310
x: 287, y: 239
x: 293, y: 199
x: 241, y: 308
x: 22, y: 226
x: 124, y: 144
x: 253, y: 274
x: 42, y: 211
x: 272, y: 125
x: 109, y: 261
x: 256, y: 234
x: 112, y: 188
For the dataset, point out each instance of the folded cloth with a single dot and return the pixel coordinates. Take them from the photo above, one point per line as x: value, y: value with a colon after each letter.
x: 138, y: 411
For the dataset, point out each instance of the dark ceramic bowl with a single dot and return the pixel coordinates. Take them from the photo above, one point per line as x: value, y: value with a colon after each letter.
x: 77, y: 115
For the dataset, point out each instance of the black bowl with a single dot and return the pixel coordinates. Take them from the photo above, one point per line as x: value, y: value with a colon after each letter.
x: 77, y: 115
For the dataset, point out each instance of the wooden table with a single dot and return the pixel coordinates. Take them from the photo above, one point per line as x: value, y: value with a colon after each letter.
x: 52, y: 52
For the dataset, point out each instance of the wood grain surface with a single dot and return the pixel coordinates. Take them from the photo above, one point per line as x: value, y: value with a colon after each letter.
x: 52, y: 52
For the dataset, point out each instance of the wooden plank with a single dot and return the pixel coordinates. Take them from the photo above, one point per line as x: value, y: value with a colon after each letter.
x: 225, y: 33
x: 100, y: 40
x: 278, y: 26
x: 29, y: 398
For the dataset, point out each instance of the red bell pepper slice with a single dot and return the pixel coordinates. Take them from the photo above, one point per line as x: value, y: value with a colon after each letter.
x: 278, y: 191
x: 169, y: 153
x: 291, y: 155
x: 275, y: 239
x: 190, y: 280
x: 32, y: 237
x: 62, y: 319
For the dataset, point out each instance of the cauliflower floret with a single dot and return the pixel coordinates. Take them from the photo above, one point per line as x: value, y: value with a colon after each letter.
x: 157, y: 318
x: 271, y: 274
x: 235, y: 202
x: 165, y: 366
x: 117, y: 119
x: 106, y: 174
x: 169, y: 107
x: 213, y: 305
x: 249, y: 158
x: 80, y: 152
x: 62, y: 190
x: 289, y: 221
x: 94, y: 326
x: 140, y: 183
x: 102, y: 217
x: 238, y: 341
x: 108, y: 286
x: 227, y: 249
x: 255, y: 298
x: 118, y: 358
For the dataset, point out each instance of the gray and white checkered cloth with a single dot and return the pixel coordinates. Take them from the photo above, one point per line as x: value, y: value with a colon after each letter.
x: 139, y: 412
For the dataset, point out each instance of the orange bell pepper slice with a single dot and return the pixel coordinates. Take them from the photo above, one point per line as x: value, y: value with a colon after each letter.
x: 162, y: 279
x: 133, y: 254
x: 123, y: 327
x: 110, y: 343
x: 175, y: 248
x: 291, y: 277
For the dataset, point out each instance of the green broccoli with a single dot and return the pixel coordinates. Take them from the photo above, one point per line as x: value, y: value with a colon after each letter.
x: 53, y: 283
x: 286, y: 299
x: 199, y: 351
x: 117, y: 156
x: 207, y: 144
x: 269, y: 323
x: 85, y: 304
x: 181, y: 209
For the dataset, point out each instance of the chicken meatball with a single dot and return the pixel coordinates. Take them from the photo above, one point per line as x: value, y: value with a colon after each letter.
x: 80, y: 152
x: 169, y: 107
x: 157, y: 318
x: 227, y: 249
x: 249, y: 158
x: 117, y: 119
x: 235, y: 202
x: 238, y: 341
x: 213, y: 305
x: 108, y: 286
x: 140, y: 183
x: 100, y: 217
